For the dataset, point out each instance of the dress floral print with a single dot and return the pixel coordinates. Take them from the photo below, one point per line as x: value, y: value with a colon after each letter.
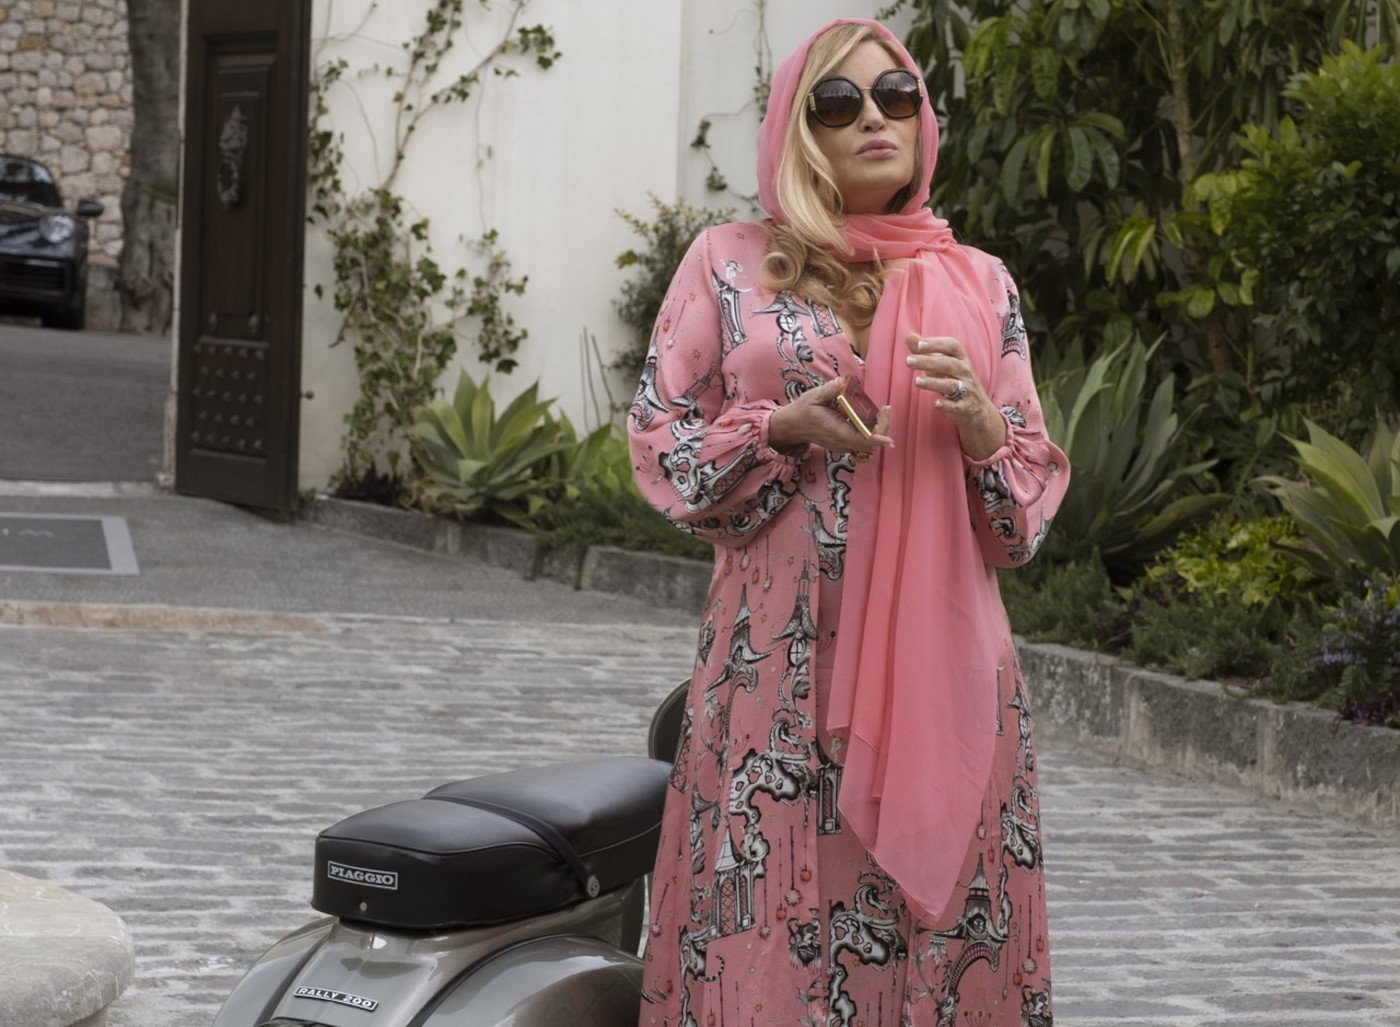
x: 764, y: 911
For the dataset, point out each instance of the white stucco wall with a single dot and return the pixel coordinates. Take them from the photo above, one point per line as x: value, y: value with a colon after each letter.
x: 546, y: 158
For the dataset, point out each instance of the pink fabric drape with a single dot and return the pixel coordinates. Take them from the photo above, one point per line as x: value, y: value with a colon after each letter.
x: 913, y: 690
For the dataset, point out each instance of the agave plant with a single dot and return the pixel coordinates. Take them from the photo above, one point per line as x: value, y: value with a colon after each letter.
x: 1129, y: 494
x: 1348, y: 506
x: 473, y: 461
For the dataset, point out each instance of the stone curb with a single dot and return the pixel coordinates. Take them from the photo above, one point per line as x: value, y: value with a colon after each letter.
x: 63, y: 959
x: 14, y: 613
x: 1291, y: 752
x: 1288, y: 751
x: 655, y: 579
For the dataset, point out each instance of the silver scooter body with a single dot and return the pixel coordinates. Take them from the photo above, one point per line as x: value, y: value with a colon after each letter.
x: 571, y: 961
x: 566, y: 967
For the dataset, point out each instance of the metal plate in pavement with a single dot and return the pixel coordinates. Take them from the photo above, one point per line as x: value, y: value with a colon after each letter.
x: 66, y: 544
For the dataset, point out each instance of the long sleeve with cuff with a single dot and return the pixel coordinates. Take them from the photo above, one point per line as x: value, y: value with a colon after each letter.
x: 699, y: 437
x: 1014, y: 493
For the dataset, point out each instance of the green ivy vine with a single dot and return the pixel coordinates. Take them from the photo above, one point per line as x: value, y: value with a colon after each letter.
x: 715, y: 180
x: 389, y: 286
x: 498, y: 337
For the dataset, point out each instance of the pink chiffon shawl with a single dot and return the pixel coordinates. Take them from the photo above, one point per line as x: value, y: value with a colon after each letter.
x: 913, y: 692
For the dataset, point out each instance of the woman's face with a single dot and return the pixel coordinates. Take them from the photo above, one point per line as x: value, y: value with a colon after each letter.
x: 873, y: 157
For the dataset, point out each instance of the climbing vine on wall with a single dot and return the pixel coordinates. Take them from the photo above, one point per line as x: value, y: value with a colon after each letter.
x: 402, y: 309
x: 715, y: 180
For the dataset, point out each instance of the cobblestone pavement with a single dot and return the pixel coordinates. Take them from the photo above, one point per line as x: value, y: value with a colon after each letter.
x: 180, y: 778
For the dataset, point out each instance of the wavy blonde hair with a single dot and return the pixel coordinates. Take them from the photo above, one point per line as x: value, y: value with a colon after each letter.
x: 804, y: 254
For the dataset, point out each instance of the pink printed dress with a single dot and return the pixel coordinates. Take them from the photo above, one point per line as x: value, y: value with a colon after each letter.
x: 764, y: 910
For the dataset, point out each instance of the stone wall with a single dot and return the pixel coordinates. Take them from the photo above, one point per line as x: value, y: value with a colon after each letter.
x: 65, y: 99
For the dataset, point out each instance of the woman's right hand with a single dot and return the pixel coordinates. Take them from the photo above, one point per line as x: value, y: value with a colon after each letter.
x: 813, y: 418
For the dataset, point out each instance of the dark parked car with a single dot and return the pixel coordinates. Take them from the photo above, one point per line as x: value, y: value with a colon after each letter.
x: 43, y: 248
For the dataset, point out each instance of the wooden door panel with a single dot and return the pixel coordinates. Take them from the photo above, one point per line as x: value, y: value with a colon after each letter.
x: 242, y: 217
x: 234, y: 203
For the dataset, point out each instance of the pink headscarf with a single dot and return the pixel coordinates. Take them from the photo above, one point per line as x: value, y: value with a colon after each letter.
x: 913, y: 693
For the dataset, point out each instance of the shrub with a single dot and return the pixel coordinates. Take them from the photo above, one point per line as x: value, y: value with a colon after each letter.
x: 386, y: 488
x: 1228, y: 558
x: 1218, y: 602
x: 601, y: 504
x: 654, y: 262
x: 1313, y: 216
x: 531, y: 469
x: 388, y: 293
x: 1216, y: 637
x: 1073, y: 603
x: 600, y: 516
x: 1245, y: 434
x: 599, y: 461
x: 1351, y: 660
x: 1081, y: 125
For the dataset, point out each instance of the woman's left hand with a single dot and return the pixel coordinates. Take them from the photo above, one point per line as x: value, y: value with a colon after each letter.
x: 942, y: 368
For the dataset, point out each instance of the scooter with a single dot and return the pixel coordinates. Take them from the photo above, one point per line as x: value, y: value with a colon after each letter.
x: 511, y: 899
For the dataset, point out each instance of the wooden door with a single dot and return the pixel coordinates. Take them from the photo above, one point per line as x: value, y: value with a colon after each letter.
x: 242, y: 221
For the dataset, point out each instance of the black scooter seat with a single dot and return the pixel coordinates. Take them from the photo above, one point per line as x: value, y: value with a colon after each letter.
x: 433, y: 863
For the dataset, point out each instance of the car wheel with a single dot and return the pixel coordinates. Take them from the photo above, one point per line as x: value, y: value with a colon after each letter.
x: 71, y: 318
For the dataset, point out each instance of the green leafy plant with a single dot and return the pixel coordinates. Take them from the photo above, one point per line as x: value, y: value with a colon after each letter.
x: 1349, y: 658
x: 1074, y: 603
x: 1080, y: 126
x: 664, y: 241
x: 1348, y: 504
x: 715, y: 179
x: 1361, y: 639
x: 498, y: 336
x: 1229, y: 558
x: 603, y: 506
x: 1131, y: 468
x: 624, y: 519
x: 472, y: 461
x: 599, y: 461
x: 1219, y: 602
x: 402, y: 310
x: 1215, y: 636
x: 599, y: 502
x: 1312, y: 216
x: 386, y: 293
x: 1246, y: 432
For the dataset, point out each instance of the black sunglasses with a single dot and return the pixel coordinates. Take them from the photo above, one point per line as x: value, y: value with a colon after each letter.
x: 836, y: 102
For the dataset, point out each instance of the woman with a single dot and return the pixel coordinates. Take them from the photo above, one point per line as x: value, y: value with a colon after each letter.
x: 852, y: 832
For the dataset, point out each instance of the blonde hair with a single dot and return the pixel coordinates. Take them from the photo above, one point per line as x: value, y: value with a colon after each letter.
x: 804, y: 253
